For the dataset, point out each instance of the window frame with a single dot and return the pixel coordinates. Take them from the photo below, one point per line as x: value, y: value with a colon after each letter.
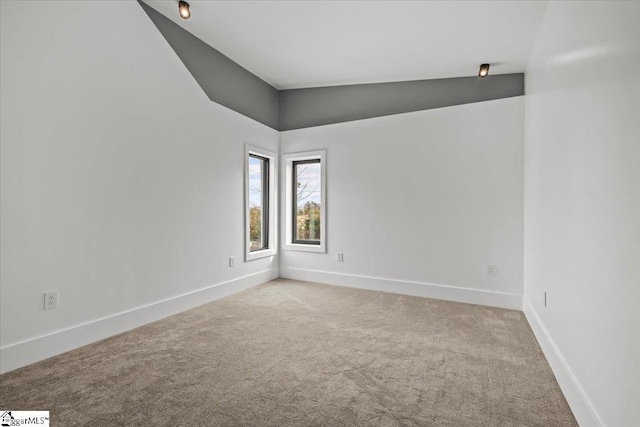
x: 294, y: 201
x: 268, y: 200
x: 289, y: 161
x: 265, y: 183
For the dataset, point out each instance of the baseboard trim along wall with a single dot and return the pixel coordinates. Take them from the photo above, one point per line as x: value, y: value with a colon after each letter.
x: 580, y: 404
x: 418, y: 289
x: 33, y: 350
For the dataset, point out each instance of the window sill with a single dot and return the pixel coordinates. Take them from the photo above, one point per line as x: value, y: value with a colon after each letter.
x: 305, y: 248
x: 260, y: 254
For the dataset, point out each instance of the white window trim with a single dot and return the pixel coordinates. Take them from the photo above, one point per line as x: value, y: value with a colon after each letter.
x: 288, y: 160
x: 273, y: 219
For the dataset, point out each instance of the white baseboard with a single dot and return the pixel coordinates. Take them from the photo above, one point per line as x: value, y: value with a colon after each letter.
x: 427, y: 290
x: 26, y: 352
x: 580, y: 404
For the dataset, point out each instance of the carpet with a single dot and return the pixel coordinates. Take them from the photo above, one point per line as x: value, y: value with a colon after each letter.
x: 290, y: 353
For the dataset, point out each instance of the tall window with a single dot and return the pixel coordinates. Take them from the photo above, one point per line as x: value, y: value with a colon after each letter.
x: 306, y: 192
x: 258, y: 202
x: 305, y: 205
x: 260, y: 214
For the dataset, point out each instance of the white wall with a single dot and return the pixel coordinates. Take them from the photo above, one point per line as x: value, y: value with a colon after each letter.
x: 430, y: 198
x: 122, y: 184
x: 582, y: 205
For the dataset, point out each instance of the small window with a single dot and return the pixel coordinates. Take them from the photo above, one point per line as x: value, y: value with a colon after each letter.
x: 305, y: 202
x: 260, y: 203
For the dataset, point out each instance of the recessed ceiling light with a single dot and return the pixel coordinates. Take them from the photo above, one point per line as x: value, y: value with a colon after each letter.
x: 484, y: 71
x: 183, y: 7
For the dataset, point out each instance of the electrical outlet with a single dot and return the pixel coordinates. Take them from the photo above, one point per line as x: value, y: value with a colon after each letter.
x: 231, y: 261
x: 545, y: 299
x: 50, y: 300
x: 340, y: 257
x: 492, y: 270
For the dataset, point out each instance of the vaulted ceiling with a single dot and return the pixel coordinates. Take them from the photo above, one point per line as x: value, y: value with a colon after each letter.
x: 293, y: 44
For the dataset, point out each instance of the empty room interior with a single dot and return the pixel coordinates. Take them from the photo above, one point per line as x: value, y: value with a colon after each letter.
x: 320, y: 213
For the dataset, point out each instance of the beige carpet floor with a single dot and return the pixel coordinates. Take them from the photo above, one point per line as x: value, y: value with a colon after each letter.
x: 291, y: 353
